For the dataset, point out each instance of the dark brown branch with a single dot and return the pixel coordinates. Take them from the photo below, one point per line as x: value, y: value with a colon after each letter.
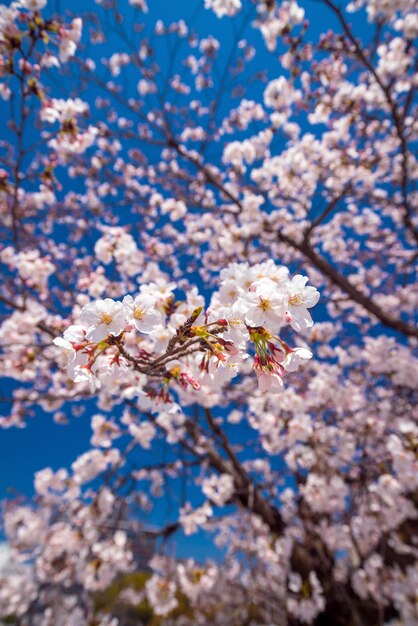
x: 210, y: 178
x: 327, y: 211
x: 343, y: 283
x: 41, y: 325
x: 247, y: 493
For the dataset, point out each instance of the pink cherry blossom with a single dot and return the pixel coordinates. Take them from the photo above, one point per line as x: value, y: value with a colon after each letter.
x: 142, y: 312
x: 265, y: 305
x: 301, y: 299
x: 103, y: 318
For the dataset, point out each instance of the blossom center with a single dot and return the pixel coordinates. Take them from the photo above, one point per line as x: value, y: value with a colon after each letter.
x: 105, y: 318
x: 264, y: 304
x: 295, y: 300
x: 139, y: 313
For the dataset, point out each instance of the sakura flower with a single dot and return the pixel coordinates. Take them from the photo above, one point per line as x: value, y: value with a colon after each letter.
x: 66, y: 347
x: 233, y: 317
x: 142, y: 312
x: 223, y: 7
x: 224, y: 362
x: 5, y: 92
x: 301, y: 299
x: 17, y: 590
x: 176, y: 209
x: 75, y: 357
x: 299, y: 429
x: 219, y: 489
x: 53, y: 486
x: 269, y: 374
x: 237, y: 331
x: 142, y: 433
x: 92, y: 463
x: 161, y: 594
x: 325, y: 495
x: 191, y: 519
x: 294, y: 359
x: 266, y: 305
x: 140, y: 4
x: 33, y: 5
x: 145, y: 87
x: 69, y: 40
x: 75, y: 333
x: 308, y: 604
x: 161, y: 290
x: 186, y: 379
x: 104, y: 431
x: 83, y: 374
x: 161, y: 335
x: 103, y: 318
x: 220, y: 370
x: 280, y: 94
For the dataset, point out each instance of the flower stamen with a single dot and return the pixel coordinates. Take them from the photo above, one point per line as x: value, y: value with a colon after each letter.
x: 105, y: 318
x: 295, y: 300
x: 265, y: 304
x: 139, y: 313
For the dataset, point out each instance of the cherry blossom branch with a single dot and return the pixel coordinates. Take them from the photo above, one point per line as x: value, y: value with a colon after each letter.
x: 245, y: 491
x: 325, y: 213
x: 206, y: 172
x: 339, y: 280
x: 41, y: 325
x: 398, y: 122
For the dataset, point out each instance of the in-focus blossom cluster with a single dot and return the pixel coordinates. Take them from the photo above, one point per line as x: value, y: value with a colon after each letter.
x: 245, y: 317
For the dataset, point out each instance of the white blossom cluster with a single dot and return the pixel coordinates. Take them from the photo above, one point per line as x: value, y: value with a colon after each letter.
x: 252, y: 305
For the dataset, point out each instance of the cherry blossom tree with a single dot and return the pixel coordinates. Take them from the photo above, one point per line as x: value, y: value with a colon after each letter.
x: 176, y: 213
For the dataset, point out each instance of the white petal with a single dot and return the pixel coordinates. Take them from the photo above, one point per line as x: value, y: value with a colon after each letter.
x: 301, y: 318
x: 97, y: 333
